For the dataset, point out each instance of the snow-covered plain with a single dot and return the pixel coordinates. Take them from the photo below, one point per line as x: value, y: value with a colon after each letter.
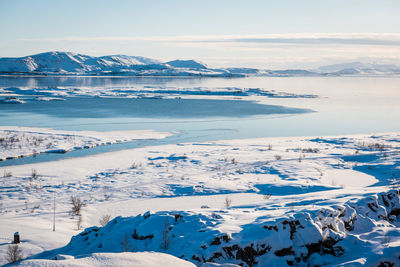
x: 18, y: 142
x: 269, y: 201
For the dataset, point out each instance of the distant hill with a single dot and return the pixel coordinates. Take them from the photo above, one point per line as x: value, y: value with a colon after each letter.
x: 359, y: 68
x: 191, y: 64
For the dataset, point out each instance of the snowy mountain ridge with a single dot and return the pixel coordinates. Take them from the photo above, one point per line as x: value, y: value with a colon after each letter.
x: 62, y: 63
x: 67, y: 63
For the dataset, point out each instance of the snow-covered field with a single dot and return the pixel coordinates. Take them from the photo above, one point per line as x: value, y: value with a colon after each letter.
x: 18, y: 142
x: 269, y: 201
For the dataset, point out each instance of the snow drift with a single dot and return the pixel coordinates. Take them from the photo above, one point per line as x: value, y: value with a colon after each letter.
x: 329, y: 235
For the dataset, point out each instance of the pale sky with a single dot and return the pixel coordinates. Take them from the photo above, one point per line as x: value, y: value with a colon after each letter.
x: 253, y: 33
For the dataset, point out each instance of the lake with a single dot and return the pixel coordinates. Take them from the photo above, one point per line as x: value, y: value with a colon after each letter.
x: 346, y: 105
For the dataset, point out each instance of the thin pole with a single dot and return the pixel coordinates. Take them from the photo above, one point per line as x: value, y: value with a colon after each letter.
x: 54, y: 213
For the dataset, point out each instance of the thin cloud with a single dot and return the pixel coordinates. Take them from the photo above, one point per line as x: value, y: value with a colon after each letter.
x: 385, y: 39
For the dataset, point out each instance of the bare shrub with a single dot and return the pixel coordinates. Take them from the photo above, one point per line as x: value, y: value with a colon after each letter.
x: 269, y: 147
x: 13, y: 254
x: 267, y: 196
x: 278, y: 157
x: 228, y: 202
x: 104, y: 219
x: 76, y: 205
x: 372, y: 146
x: 7, y: 174
x: 34, y: 174
x: 310, y: 150
x: 134, y: 166
x: 79, y: 222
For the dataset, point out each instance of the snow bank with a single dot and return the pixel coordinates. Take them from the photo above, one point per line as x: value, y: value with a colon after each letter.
x: 24, y: 141
x: 138, y: 259
x: 331, y: 235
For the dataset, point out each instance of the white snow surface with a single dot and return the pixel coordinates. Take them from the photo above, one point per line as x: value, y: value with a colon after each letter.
x: 24, y: 141
x: 258, y: 202
x: 138, y: 259
x: 191, y: 64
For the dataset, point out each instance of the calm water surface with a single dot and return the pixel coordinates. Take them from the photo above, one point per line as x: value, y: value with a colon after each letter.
x: 346, y: 105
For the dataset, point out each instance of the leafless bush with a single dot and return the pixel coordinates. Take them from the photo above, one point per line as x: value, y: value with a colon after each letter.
x: 7, y: 174
x: 79, y: 222
x: 234, y: 161
x: 310, y: 150
x: 269, y: 147
x: 372, y: 146
x: 267, y: 196
x: 228, y: 202
x: 76, y: 205
x: 13, y: 254
x: 104, y: 219
x: 34, y: 174
x: 278, y: 157
x: 134, y: 166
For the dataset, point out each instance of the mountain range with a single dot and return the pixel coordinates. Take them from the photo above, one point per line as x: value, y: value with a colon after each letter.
x: 67, y: 63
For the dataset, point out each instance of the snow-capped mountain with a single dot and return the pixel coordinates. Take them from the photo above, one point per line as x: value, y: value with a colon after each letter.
x: 359, y: 68
x: 52, y: 63
x: 66, y: 62
x: 191, y: 64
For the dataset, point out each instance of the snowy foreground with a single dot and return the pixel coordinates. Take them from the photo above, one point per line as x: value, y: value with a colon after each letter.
x: 294, y: 201
x: 16, y: 142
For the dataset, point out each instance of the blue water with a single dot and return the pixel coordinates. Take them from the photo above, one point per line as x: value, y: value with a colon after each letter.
x: 346, y: 105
